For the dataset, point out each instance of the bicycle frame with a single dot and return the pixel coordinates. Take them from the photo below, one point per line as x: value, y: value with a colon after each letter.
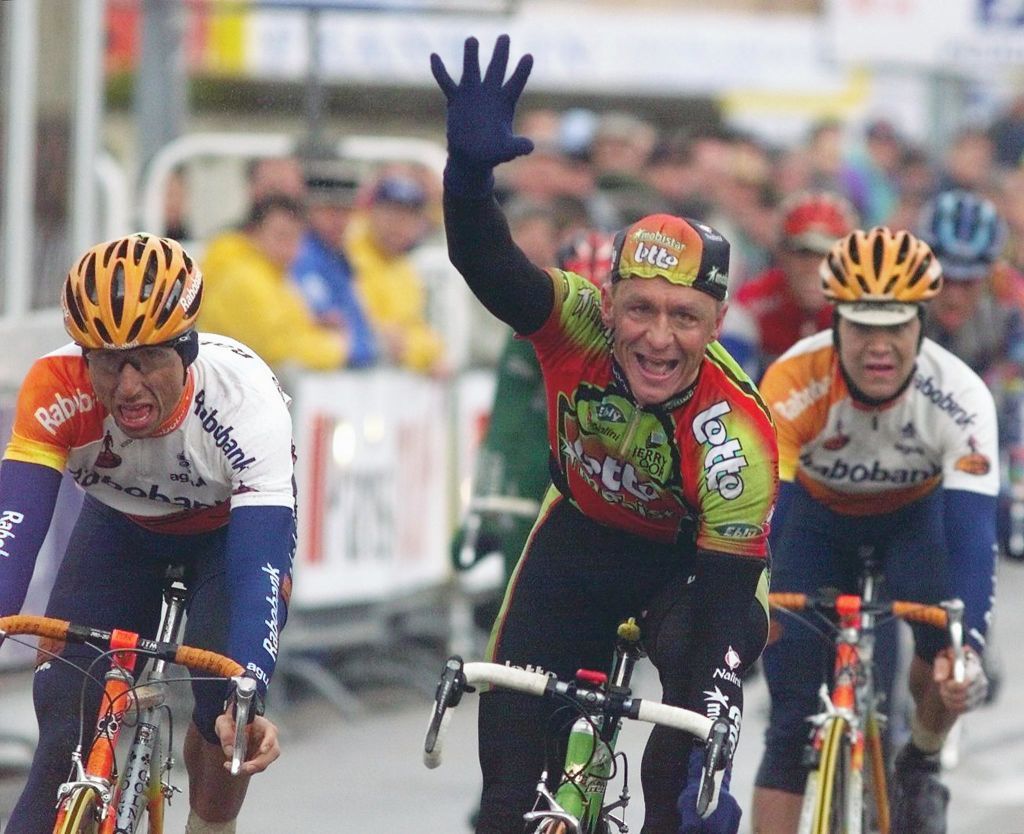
x: 848, y: 730
x: 607, y: 702
x: 578, y: 802
x: 95, y: 800
x: 144, y: 784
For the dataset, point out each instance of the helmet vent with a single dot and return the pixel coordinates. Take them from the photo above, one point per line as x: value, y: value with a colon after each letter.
x: 138, y: 248
x: 89, y: 282
x: 117, y: 286
x: 171, y: 301
x: 149, y: 276
x: 102, y: 330
x: 133, y: 334
x: 71, y: 303
x: 121, y: 249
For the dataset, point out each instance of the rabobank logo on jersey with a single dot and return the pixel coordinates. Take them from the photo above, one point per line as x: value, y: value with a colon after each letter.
x: 52, y: 417
x: 234, y: 453
x: 945, y: 401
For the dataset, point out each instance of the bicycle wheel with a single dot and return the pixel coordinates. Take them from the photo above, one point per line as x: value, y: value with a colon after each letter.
x: 829, y: 782
x: 79, y: 816
x: 876, y: 790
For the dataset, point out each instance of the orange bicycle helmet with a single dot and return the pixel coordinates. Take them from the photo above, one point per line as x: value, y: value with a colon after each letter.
x: 880, y: 266
x: 135, y: 290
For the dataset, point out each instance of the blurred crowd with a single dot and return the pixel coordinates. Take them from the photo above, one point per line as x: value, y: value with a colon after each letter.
x: 321, y: 272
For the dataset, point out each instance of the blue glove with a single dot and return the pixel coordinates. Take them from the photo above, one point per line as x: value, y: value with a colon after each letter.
x: 725, y: 819
x: 480, y: 115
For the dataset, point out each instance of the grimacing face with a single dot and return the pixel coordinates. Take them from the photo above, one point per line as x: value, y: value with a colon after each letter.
x: 878, y: 359
x: 660, y: 331
x: 140, y: 402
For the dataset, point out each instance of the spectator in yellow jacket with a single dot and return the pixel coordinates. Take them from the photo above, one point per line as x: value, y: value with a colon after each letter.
x: 249, y: 295
x: 378, y: 241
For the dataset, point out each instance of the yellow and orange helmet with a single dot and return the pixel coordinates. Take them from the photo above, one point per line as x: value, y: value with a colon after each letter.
x: 880, y: 265
x: 135, y: 290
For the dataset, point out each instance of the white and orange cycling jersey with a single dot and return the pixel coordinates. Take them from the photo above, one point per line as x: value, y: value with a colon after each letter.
x: 220, y: 449
x: 861, y: 460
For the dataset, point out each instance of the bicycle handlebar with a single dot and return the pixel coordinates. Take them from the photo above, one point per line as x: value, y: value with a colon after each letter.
x: 917, y: 612
x: 948, y: 615
x: 459, y: 677
x: 198, y: 660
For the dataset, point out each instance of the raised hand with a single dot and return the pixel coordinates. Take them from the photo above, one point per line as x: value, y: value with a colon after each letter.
x: 480, y: 114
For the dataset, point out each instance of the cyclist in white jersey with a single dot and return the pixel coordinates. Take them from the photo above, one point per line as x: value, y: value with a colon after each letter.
x: 182, y: 444
x: 888, y: 440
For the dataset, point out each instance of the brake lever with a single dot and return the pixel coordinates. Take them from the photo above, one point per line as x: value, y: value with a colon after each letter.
x: 449, y: 693
x: 955, y: 613
x: 716, y: 758
x: 245, y: 692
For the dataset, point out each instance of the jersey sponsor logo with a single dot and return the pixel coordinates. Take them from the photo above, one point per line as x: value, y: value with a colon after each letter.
x: 838, y: 440
x: 107, y: 458
x: 876, y: 473
x: 221, y: 434
x: 609, y: 413
x: 944, y: 401
x: 737, y: 530
x: 717, y: 704
x: 732, y: 658
x: 725, y: 458
x: 610, y: 473
x: 802, y: 398
x: 87, y: 478
x: 270, y: 644
x: 52, y: 417
x: 7, y: 521
x: 974, y: 463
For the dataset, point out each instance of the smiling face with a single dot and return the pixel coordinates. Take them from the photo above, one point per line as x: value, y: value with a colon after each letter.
x: 660, y: 332
x: 141, y: 389
x: 878, y: 359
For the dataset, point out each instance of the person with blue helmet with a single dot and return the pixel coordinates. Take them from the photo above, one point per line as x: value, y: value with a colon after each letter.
x: 980, y: 315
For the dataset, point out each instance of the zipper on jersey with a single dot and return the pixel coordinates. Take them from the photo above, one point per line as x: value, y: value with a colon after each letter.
x: 631, y: 426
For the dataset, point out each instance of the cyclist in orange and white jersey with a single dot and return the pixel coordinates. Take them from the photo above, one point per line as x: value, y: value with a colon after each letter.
x: 885, y: 439
x: 182, y: 444
x: 663, y: 461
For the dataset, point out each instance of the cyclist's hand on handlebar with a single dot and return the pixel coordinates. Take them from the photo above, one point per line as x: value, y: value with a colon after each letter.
x: 960, y: 696
x: 263, y: 746
x: 481, y: 110
x: 725, y: 819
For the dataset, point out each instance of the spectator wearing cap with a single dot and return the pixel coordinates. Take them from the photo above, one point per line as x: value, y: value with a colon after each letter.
x: 322, y: 271
x: 248, y: 293
x: 785, y: 303
x: 378, y: 243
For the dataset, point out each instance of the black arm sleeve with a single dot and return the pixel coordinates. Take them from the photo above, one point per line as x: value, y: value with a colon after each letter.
x: 730, y: 629
x: 480, y: 246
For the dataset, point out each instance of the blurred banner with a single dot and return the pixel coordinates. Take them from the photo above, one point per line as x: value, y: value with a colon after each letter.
x: 373, y: 481
x: 948, y: 36
x: 657, y: 50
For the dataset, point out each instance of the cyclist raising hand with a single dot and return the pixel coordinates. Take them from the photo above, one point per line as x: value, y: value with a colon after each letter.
x: 885, y: 440
x: 182, y: 444
x: 663, y: 462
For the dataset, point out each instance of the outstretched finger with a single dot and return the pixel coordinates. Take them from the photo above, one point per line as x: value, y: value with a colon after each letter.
x: 499, y: 63
x: 441, y: 76
x: 471, y: 62
x: 514, y: 87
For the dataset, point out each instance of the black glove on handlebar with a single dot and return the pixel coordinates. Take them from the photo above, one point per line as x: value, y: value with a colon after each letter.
x: 480, y: 114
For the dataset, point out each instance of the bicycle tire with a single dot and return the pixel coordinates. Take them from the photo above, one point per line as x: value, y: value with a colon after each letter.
x: 80, y: 817
x: 829, y: 810
x: 876, y: 789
